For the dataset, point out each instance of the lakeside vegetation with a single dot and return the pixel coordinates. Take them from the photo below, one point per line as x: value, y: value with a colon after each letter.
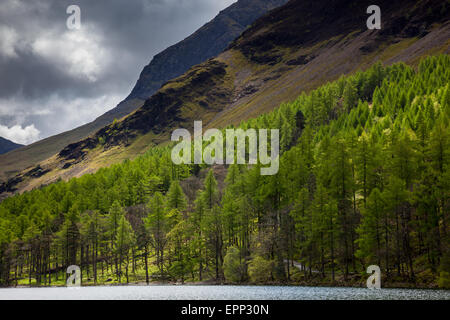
x: 364, y: 179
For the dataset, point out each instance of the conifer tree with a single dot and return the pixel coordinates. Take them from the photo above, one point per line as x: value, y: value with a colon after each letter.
x: 157, y: 224
x: 124, y: 240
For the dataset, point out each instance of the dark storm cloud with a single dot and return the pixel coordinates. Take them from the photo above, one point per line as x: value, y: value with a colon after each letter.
x: 55, y: 79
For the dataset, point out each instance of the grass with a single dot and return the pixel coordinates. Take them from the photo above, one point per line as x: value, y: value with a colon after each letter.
x: 424, y: 279
x: 104, y: 278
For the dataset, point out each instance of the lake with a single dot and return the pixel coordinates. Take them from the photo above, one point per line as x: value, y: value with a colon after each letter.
x: 202, y: 292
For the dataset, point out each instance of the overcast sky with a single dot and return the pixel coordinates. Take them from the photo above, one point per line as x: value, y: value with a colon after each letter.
x: 53, y: 79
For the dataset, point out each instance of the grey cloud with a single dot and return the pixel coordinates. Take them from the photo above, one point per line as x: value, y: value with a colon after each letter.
x: 57, y: 79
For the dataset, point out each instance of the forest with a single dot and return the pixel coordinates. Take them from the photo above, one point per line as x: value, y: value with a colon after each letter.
x: 364, y: 179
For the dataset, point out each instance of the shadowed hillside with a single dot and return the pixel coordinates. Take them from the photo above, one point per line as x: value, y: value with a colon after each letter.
x: 7, y: 146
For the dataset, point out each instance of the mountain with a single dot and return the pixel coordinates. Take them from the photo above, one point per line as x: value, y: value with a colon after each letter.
x: 7, y: 146
x: 205, y: 43
x: 292, y: 49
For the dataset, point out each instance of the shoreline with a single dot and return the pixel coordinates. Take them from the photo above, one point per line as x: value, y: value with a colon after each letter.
x: 393, y: 285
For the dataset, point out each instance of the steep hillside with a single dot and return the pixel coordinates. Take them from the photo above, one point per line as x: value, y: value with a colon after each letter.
x: 294, y: 48
x: 206, y: 42
x: 7, y: 146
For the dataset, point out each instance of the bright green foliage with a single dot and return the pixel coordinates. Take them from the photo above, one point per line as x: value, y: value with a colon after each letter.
x: 260, y: 270
x: 180, y: 240
x: 157, y: 223
x: 175, y: 197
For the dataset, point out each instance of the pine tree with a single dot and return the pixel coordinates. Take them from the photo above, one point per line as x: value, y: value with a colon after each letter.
x: 212, y: 221
x: 157, y: 224
x: 350, y: 96
x: 341, y: 183
x: 179, y: 238
x: 115, y: 215
x: 176, y: 199
x: 124, y: 240
x: 370, y: 230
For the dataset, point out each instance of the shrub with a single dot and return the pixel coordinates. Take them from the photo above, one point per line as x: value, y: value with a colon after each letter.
x: 260, y: 270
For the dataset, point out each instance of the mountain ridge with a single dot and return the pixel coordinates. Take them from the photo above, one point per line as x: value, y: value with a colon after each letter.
x: 178, y: 58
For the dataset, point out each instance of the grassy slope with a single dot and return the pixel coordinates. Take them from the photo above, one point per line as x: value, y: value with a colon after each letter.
x: 28, y: 156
